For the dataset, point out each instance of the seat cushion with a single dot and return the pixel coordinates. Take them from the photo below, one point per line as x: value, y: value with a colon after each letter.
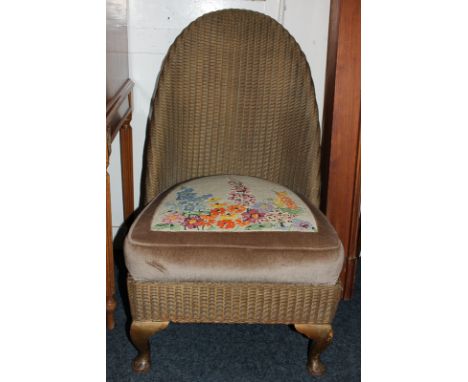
x: 231, y: 228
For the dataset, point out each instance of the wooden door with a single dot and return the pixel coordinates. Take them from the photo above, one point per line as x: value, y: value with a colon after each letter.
x: 341, y: 194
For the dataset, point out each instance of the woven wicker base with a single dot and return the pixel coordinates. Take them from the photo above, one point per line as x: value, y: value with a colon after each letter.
x: 233, y: 302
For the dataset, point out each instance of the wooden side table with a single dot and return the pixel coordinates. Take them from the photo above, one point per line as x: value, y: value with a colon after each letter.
x: 118, y: 117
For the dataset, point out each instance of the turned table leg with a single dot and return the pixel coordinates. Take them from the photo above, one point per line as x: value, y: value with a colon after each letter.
x: 140, y: 333
x: 126, y: 158
x: 111, y: 304
x: 321, y: 335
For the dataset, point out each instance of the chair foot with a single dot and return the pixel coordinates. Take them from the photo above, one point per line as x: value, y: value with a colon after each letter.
x: 111, y: 305
x: 140, y: 333
x: 322, y: 336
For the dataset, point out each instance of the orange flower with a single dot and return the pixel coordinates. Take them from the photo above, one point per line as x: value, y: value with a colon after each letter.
x: 226, y: 224
x: 236, y: 208
x: 283, y: 200
x: 217, y: 211
x: 242, y: 223
x: 208, y: 220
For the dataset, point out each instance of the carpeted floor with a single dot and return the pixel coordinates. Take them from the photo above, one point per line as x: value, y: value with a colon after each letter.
x: 235, y: 353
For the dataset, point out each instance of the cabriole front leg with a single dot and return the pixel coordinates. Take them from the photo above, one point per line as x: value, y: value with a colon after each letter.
x: 322, y: 336
x: 140, y: 333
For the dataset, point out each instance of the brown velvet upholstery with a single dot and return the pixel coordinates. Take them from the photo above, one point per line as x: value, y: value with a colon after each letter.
x: 276, y: 257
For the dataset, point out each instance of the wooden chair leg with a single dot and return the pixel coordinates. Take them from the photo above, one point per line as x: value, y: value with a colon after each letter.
x: 140, y: 333
x: 322, y: 336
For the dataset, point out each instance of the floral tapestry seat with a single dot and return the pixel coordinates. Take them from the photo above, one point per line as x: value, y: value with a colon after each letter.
x: 232, y: 203
x: 233, y: 228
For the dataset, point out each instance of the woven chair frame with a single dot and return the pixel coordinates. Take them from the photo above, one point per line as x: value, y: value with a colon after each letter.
x: 200, y: 302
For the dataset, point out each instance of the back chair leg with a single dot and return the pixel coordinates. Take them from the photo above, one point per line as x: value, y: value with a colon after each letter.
x: 322, y: 336
x: 140, y: 333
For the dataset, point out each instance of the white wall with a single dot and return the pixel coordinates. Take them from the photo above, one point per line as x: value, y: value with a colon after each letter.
x: 307, y: 21
x: 154, y: 24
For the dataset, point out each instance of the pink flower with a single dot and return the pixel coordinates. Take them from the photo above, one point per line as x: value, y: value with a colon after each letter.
x: 302, y: 225
x: 240, y: 194
x: 173, y: 218
x: 192, y: 222
x: 252, y: 215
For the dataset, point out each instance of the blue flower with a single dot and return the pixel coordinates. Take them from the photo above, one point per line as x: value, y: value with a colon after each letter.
x: 188, y: 200
x: 186, y: 194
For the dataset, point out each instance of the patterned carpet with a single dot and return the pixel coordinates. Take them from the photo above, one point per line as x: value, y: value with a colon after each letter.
x: 235, y: 353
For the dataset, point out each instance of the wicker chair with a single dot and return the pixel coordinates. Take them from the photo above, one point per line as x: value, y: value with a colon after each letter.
x: 231, y: 232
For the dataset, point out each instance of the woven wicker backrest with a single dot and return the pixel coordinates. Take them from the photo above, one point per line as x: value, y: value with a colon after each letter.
x: 235, y: 96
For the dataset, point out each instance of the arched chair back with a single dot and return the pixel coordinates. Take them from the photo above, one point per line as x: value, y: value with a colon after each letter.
x: 234, y: 96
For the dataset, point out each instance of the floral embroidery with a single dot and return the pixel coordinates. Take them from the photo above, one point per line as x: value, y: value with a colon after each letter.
x: 240, y: 194
x: 240, y: 209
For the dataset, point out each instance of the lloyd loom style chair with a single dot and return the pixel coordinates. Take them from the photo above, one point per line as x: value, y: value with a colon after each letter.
x: 231, y: 232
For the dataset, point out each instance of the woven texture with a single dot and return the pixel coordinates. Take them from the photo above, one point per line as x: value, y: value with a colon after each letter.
x: 233, y: 302
x: 235, y: 96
